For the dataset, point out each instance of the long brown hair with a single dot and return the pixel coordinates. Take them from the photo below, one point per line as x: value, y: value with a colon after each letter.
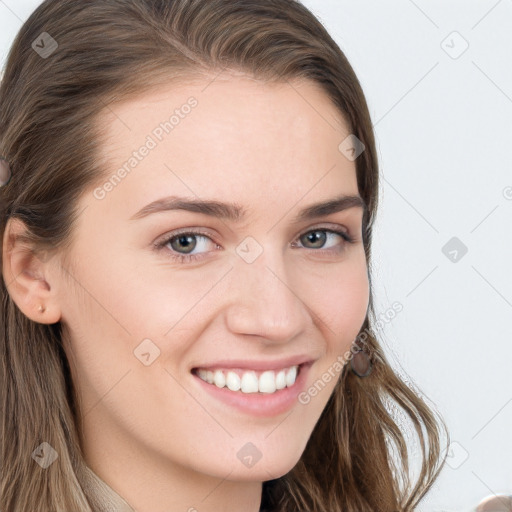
x: 69, y: 61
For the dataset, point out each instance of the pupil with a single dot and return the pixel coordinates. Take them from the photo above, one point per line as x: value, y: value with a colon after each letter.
x: 319, y: 235
x: 184, y: 240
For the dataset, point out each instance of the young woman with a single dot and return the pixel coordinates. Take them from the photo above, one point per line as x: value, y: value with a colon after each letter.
x: 188, y: 194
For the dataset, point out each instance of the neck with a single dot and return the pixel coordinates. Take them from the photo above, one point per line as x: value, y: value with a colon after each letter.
x: 149, y: 483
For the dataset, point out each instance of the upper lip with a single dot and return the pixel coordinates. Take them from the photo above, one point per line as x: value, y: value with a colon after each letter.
x: 258, y: 364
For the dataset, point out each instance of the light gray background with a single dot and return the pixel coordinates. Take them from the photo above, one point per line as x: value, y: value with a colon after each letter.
x: 443, y: 121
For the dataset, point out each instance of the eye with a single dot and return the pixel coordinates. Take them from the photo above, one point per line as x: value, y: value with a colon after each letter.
x: 190, y: 241
x: 320, y: 236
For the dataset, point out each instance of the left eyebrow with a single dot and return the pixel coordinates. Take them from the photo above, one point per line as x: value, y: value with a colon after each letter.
x: 236, y: 213
x: 325, y: 208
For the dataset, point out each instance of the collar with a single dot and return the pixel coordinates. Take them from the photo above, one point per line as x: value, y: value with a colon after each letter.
x: 101, y: 496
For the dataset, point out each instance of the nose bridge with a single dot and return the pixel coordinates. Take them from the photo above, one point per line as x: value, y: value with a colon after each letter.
x: 263, y: 301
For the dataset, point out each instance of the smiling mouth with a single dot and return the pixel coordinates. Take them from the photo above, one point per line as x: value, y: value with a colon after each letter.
x: 250, y: 381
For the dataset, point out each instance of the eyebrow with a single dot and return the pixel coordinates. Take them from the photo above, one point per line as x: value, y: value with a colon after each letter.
x: 236, y: 213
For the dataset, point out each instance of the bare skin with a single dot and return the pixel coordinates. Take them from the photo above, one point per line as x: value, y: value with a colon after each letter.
x: 150, y: 431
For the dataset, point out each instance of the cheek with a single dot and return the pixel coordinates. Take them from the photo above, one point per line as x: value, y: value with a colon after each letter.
x: 342, y: 303
x: 156, y: 297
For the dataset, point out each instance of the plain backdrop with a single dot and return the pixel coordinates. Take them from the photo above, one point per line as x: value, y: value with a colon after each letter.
x: 438, y: 80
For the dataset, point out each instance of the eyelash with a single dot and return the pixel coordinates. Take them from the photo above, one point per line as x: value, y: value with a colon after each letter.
x: 187, y: 258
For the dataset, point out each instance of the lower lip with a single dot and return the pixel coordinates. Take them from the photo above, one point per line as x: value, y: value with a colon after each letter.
x: 260, y: 404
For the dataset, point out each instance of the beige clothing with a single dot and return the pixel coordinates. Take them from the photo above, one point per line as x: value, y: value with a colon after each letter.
x: 101, y: 496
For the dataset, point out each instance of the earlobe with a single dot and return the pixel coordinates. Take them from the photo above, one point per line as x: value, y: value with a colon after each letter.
x: 26, y: 276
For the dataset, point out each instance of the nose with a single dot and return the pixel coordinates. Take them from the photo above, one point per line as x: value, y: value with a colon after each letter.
x: 264, y: 302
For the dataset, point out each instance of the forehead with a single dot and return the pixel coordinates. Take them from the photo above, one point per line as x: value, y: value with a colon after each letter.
x: 228, y: 136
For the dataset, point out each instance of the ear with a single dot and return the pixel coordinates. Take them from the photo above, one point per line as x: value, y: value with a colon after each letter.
x: 27, y: 276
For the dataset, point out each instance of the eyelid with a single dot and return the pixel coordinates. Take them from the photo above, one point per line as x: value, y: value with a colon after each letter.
x: 183, y: 231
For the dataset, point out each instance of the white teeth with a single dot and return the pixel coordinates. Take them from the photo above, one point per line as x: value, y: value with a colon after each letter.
x: 291, y: 375
x: 249, y: 382
x: 281, y: 380
x: 267, y: 382
x: 233, y: 381
x: 219, y: 379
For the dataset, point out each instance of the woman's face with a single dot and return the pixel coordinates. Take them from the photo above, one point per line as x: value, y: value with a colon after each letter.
x: 160, y: 291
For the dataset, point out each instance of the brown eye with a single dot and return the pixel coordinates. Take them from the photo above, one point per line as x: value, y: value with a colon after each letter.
x: 180, y: 246
x: 317, y: 238
x: 187, y: 242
